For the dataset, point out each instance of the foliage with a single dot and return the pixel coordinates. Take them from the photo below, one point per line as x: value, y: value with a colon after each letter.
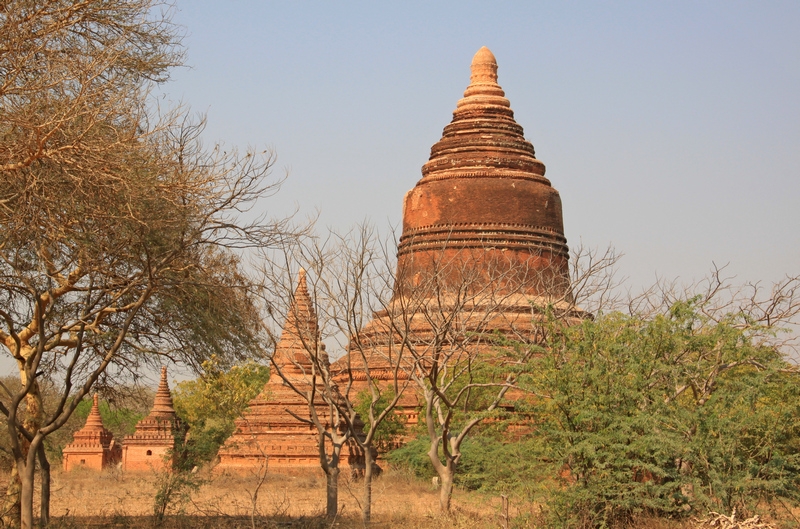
x: 120, y: 233
x: 490, y: 463
x: 173, y: 491
x: 413, y: 456
x: 495, y: 464
x: 178, y: 479
x: 210, y: 404
x: 389, y: 431
x: 120, y: 421
x: 665, y: 415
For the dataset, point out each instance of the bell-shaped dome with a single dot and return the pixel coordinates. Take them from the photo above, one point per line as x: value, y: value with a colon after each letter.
x: 483, y: 198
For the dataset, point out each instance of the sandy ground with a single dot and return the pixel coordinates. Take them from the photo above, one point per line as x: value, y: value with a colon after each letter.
x: 395, y: 497
x: 84, y: 498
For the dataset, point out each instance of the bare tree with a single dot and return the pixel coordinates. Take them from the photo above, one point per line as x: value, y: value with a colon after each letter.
x: 351, y: 278
x: 452, y: 342
x: 469, y: 320
x: 355, y: 280
x: 768, y: 310
x: 595, y: 285
x: 766, y: 314
x: 301, y: 363
x: 119, y: 231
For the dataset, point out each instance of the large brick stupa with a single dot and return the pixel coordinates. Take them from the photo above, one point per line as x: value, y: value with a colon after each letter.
x: 482, y: 249
x: 270, y: 432
x: 483, y: 205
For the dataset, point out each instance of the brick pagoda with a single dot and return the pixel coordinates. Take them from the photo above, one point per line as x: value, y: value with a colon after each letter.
x: 149, y: 447
x: 483, y: 204
x: 483, y: 223
x: 269, y: 432
x: 93, y: 446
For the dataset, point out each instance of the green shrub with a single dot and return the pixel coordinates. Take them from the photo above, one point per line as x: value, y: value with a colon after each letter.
x: 669, y: 415
x: 488, y: 463
x: 391, y: 428
x: 210, y: 404
x: 413, y: 456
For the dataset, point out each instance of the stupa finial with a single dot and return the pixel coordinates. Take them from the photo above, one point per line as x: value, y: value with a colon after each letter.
x: 483, y: 90
x: 301, y: 310
x: 484, y: 67
x: 93, y: 421
x: 162, y: 404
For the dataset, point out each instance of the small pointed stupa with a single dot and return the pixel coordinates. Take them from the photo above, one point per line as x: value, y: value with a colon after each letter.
x: 149, y: 447
x: 269, y: 432
x: 93, y: 446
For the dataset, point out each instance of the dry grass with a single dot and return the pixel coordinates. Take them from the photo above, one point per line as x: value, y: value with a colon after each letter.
x: 114, y: 499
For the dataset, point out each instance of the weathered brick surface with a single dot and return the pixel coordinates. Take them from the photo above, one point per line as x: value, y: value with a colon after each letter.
x: 146, y: 458
x: 483, y: 223
x: 270, y: 433
x: 148, y: 448
x: 483, y: 199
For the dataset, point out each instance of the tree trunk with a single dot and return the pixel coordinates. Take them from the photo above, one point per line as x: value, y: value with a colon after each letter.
x: 44, y: 469
x: 367, y: 506
x: 446, y: 491
x: 24, y: 488
x: 445, y: 471
x: 11, y: 504
x: 332, y: 506
x: 26, y: 495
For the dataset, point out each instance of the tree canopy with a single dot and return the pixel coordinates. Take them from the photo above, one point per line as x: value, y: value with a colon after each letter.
x: 120, y: 230
x: 210, y: 404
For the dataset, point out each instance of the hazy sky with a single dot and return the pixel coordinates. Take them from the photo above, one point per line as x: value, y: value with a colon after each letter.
x: 671, y: 129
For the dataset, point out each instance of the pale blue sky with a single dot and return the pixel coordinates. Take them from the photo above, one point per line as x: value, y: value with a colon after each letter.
x: 671, y: 129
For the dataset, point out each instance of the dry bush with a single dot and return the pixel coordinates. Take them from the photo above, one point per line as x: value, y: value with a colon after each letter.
x: 720, y: 521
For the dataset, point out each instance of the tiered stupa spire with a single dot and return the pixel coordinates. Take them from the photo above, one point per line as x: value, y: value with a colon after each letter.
x: 162, y: 404
x: 94, y: 423
x: 93, y: 446
x: 149, y: 447
x: 483, y: 244
x: 300, y: 334
x: 483, y: 198
x: 270, y: 432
